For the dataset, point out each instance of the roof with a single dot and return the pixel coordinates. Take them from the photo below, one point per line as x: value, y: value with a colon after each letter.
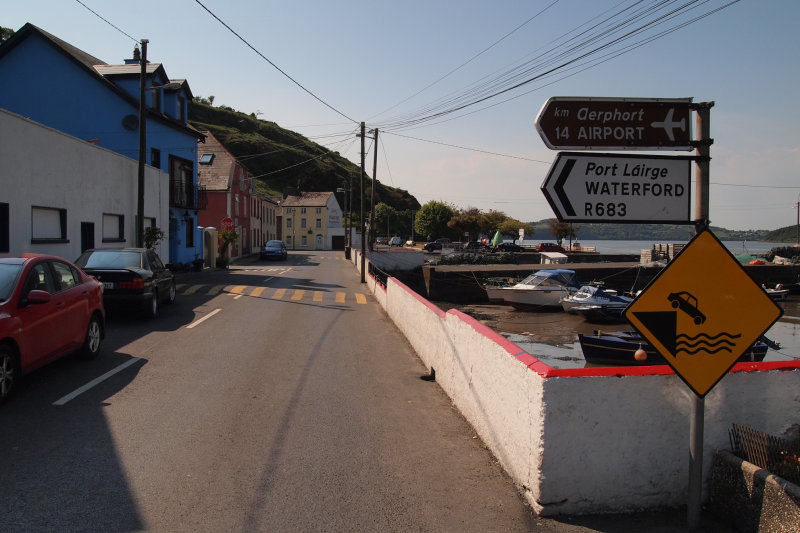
x: 95, y: 66
x: 308, y: 199
x: 217, y: 175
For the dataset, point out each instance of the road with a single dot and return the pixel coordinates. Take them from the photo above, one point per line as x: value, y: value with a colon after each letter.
x: 269, y: 397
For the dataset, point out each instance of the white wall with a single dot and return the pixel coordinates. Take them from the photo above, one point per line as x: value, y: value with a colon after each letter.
x: 578, y: 441
x: 40, y: 166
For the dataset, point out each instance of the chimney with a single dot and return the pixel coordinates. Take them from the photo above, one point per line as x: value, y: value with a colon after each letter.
x: 137, y: 57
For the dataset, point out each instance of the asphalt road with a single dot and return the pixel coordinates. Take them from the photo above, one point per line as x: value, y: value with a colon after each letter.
x: 270, y: 397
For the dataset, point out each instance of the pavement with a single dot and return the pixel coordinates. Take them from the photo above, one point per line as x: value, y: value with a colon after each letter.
x: 660, y: 521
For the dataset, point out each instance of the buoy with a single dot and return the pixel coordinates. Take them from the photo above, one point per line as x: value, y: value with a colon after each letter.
x: 640, y: 355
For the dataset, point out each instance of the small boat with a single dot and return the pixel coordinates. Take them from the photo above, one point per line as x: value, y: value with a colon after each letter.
x: 778, y: 294
x: 596, y: 304
x: 619, y: 348
x: 543, y: 288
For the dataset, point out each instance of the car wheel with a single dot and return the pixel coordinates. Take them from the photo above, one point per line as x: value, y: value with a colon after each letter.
x: 172, y: 292
x: 152, y: 307
x: 94, y: 337
x: 9, y: 371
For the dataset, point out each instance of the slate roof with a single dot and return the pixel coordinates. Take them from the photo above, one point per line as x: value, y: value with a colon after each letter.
x: 308, y: 199
x: 216, y: 176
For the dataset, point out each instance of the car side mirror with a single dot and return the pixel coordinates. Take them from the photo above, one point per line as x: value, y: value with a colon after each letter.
x: 37, y: 297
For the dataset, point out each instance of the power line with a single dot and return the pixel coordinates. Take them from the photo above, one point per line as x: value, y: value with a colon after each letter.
x: 93, y: 12
x: 262, y: 56
x: 471, y: 149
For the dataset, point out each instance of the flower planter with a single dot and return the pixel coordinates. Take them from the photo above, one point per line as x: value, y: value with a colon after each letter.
x: 751, y: 499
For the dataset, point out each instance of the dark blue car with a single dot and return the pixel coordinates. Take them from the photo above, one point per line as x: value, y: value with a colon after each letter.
x: 274, y: 250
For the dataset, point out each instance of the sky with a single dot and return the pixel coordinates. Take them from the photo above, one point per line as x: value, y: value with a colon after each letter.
x: 416, y: 70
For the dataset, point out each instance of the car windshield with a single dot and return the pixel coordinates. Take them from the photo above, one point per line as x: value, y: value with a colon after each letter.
x: 8, y: 276
x: 110, y: 259
x: 274, y: 244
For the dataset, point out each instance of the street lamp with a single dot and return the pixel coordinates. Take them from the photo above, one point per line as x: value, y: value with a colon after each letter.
x: 797, y: 241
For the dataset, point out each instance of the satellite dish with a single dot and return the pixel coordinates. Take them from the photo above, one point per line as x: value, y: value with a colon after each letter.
x: 130, y: 122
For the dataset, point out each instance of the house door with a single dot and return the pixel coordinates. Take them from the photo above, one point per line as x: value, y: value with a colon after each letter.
x: 87, y: 236
x: 318, y: 244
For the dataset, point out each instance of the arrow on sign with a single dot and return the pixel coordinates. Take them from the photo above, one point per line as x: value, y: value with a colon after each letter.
x: 587, y: 187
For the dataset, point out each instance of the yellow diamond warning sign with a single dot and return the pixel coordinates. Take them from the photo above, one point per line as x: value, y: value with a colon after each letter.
x: 703, y: 312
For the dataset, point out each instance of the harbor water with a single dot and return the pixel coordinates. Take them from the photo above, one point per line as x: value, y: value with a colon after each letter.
x: 552, y: 336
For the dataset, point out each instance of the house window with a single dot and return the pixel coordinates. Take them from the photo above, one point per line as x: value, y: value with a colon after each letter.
x: 236, y: 205
x: 48, y: 224
x: 319, y: 211
x: 181, y: 191
x: 304, y: 241
x: 289, y: 223
x: 189, y: 232
x: 155, y: 157
x: 302, y: 223
x: 5, y: 229
x: 319, y: 223
x: 182, y: 109
x: 113, y: 228
x: 302, y: 210
x: 206, y: 159
x: 288, y: 211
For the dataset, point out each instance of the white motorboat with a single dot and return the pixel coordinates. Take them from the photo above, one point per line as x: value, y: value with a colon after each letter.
x: 596, y: 303
x: 543, y: 288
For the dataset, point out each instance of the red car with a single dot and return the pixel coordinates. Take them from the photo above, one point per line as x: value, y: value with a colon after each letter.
x: 550, y: 247
x: 48, y: 308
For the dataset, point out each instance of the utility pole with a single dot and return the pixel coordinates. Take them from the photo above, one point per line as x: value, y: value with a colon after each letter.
x: 374, y: 184
x: 363, y: 228
x: 142, y: 125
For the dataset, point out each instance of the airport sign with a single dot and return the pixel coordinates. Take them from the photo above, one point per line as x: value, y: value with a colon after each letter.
x: 574, y: 123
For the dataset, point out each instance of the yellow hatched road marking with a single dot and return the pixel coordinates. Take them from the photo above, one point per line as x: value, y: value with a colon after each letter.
x: 238, y: 289
x: 298, y: 294
x: 193, y: 289
x: 360, y: 298
x: 257, y: 291
x: 280, y: 293
x: 318, y: 296
x: 340, y: 297
x: 216, y: 289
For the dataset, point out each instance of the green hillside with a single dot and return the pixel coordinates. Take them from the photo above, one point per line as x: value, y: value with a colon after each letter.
x: 655, y: 232
x: 278, y: 158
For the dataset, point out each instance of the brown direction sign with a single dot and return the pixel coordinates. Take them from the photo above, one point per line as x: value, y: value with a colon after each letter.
x: 703, y: 313
x: 566, y: 122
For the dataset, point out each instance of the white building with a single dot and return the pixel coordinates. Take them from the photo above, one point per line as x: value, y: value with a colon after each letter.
x: 62, y: 195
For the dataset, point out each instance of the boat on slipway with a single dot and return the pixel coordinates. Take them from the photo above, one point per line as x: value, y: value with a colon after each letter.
x: 543, y: 288
x: 596, y: 304
x: 620, y: 347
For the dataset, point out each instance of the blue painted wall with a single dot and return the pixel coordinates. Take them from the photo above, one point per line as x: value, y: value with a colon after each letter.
x: 39, y: 81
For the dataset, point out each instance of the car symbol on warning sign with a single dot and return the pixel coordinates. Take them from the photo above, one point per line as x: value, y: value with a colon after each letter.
x: 701, y: 346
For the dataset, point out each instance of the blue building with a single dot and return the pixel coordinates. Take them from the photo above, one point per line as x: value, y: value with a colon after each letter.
x: 54, y: 83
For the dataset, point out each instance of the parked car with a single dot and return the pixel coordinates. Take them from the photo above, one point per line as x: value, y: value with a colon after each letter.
x: 395, y: 241
x: 436, y: 245
x: 274, y: 250
x: 132, y: 278
x: 508, y: 247
x: 381, y: 240
x: 475, y: 246
x: 48, y: 309
x: 550, y: 247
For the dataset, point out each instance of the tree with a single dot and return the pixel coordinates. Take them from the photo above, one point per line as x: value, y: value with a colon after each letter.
x: 561, y: 229
x: 5, y: 34
x: 152, y: 236
x: 470, y: 220
x: 432, y: 219
x: 385, y: 219
x: 511, y: 227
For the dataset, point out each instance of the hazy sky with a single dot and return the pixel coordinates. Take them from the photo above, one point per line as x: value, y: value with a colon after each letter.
x: 397, y: 65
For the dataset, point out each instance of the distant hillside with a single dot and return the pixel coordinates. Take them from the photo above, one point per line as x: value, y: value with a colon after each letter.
x: 278, y: 158
x: 787, y: 234
x: 654, y: 232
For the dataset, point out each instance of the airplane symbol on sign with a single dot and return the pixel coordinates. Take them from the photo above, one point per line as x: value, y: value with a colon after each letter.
x: 668, y: 124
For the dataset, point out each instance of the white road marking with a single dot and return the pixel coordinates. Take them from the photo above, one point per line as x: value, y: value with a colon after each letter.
x: 200, y: 321
x: 96, y: 381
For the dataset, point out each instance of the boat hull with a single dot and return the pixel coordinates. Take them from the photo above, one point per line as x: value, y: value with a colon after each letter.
x: 619, y: 348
